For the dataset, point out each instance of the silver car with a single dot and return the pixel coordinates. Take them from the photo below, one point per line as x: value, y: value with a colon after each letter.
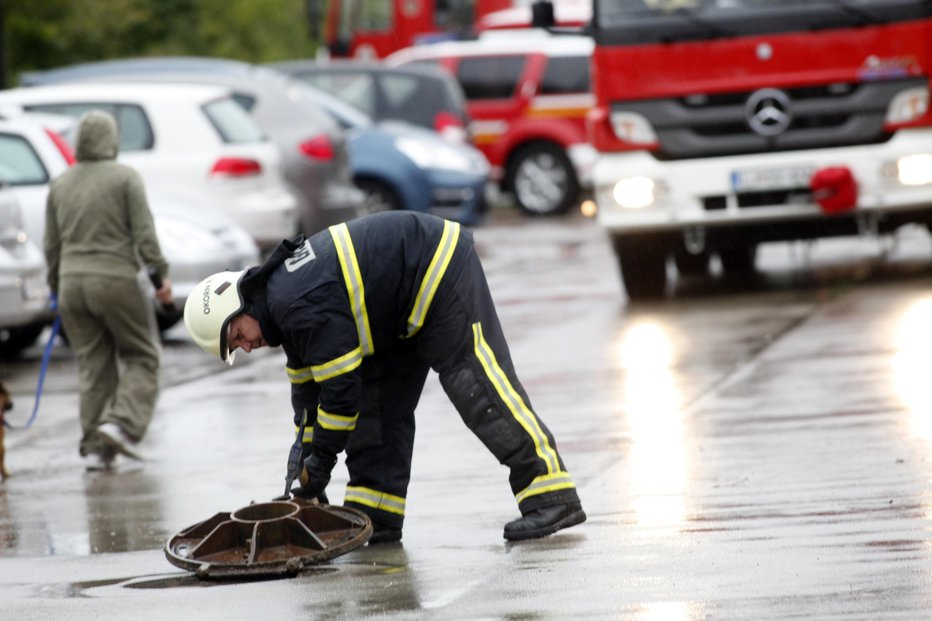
x: 195, y: 240
x: 312, y: 145
x: 24, y: 294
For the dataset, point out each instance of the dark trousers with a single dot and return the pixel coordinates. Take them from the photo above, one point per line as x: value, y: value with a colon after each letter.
x: 462, y: 340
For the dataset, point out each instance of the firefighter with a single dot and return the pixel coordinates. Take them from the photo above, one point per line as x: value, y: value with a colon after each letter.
x: 363, y: 311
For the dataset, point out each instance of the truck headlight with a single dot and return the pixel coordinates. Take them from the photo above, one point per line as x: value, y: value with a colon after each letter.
x: 634, y: 192
x: 907, y: 106
x: 915, y: 169
x: 633, y: 128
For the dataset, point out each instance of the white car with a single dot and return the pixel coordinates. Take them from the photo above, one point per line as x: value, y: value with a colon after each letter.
x: 24, y: 294
x: 195, y: 240
x: 191, y: 141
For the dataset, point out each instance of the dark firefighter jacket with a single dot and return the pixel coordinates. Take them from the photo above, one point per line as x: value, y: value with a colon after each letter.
x: 344, y: 294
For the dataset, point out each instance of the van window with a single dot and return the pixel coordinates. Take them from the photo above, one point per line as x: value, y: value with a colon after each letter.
x: 371, y: 14
x: 490, y: 77
x: 135, y: 131
x: 19, y: 164
x: 566, y: 74
x: 234, y: 124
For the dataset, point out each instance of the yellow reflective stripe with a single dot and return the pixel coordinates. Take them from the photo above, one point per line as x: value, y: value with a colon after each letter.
x: 338, y: 366
x: 513, y: 401
x: 308, y: 436
x: 546, y: 483
x: 335, y: 422
x: 354, y: 286
x: 299, y: 376
x: 436, y: 269
x: 375, y: 499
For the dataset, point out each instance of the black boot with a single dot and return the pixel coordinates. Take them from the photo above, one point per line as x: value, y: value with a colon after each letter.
x: 545, y: 521
x: 384, y: 534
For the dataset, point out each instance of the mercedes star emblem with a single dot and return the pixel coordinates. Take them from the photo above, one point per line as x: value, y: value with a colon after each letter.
x: 768, y: 111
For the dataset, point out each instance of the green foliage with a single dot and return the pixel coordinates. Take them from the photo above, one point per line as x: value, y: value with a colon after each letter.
x: 42, y: 34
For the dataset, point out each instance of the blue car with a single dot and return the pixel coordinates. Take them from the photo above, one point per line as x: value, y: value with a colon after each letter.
x: 403, y: 166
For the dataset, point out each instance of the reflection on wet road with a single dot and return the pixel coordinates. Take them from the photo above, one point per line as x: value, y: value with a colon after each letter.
x: 743, y: 451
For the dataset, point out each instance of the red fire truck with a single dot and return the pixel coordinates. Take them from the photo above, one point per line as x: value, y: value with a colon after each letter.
x: 724, y: 124
x: 376, y: 28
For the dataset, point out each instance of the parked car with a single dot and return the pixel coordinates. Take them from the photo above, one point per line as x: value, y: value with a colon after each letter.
x: 402, y: 166
x: 421, y: 95
x: 396, y: 166
x: 528, y: 94
x: 195, y: 240
x: 24, y: 292
x: 311, y: 144
x: 193, y: 141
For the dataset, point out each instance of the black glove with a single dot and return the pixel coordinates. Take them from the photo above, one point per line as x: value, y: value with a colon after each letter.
x: 315, y: 475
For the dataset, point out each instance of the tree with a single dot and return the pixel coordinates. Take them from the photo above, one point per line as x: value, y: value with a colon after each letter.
x: 53, y: 33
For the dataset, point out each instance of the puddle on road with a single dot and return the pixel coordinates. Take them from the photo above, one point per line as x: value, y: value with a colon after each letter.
x: 190, y: 580
x: 173, y: 581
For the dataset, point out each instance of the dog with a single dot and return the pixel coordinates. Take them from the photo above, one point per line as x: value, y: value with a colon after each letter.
x: 6, y: 404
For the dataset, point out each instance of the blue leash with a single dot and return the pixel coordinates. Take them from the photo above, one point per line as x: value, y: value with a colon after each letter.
x: 46, y: 356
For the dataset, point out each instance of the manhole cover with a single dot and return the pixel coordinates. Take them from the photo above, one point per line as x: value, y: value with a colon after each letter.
x: 268, y: 539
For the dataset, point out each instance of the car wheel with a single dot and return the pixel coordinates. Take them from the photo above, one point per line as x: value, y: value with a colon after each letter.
x: 378, y: 196
x: 542, y: 179
x: 15, y: 340
x: 643, y: 263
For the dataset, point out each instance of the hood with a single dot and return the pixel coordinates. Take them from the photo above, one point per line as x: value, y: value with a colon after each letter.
x: 253, y: 288
x: 98, y: 137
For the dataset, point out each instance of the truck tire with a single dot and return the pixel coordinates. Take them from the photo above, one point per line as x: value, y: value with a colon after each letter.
x: 689, y: 264
x: 643, y: 264
x: 542, y: 179
x: 738, y: 258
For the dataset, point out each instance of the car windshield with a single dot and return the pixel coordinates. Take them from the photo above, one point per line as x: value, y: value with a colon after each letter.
x: 19, y: 163
x: 232, y: 122
x: 346, y: 115
x: 398, y: 96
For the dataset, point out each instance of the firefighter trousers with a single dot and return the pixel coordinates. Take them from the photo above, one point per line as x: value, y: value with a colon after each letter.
x: 462, y: 340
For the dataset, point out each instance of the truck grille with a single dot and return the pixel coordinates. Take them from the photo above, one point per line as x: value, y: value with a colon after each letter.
x: 841, y: 114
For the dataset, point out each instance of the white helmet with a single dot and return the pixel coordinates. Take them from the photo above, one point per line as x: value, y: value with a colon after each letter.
x: 209, y: 309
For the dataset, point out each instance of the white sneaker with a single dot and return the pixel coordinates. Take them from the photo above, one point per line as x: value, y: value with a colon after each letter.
x: 96, y: 461
x: 117, y: 438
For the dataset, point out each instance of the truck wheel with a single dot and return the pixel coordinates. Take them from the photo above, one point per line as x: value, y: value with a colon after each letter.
x: 688, y: 264
x: 542, y: 179
x: 738, y: 258
x: 378, y: 196
x: 643, y: 264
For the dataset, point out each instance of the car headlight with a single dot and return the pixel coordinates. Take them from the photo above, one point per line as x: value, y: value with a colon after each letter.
x: 240, y: 243
x: 438, y: 155
x: 178, y: 239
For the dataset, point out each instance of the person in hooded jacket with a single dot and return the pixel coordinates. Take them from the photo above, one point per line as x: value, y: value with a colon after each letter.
x: 97, y: 229
x: 363, y: 311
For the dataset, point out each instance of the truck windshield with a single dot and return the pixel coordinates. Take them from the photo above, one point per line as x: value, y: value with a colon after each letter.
x: 664, y: 21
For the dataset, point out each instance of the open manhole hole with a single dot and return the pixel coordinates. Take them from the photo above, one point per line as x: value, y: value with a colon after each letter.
x: 268, y: 539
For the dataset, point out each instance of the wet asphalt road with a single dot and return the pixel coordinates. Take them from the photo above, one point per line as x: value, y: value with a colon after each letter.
x: 756, y: 450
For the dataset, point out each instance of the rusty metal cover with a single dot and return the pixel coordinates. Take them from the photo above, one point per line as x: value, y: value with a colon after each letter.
x: 268, y: 539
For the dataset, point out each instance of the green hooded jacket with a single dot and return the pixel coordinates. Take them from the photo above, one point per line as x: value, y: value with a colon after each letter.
x: 97, y: 218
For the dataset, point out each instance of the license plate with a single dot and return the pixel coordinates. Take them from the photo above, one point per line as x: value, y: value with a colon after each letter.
x: 771, y: 178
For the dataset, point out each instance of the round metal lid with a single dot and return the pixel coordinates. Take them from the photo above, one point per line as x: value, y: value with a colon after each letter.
x: 268, y: 539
